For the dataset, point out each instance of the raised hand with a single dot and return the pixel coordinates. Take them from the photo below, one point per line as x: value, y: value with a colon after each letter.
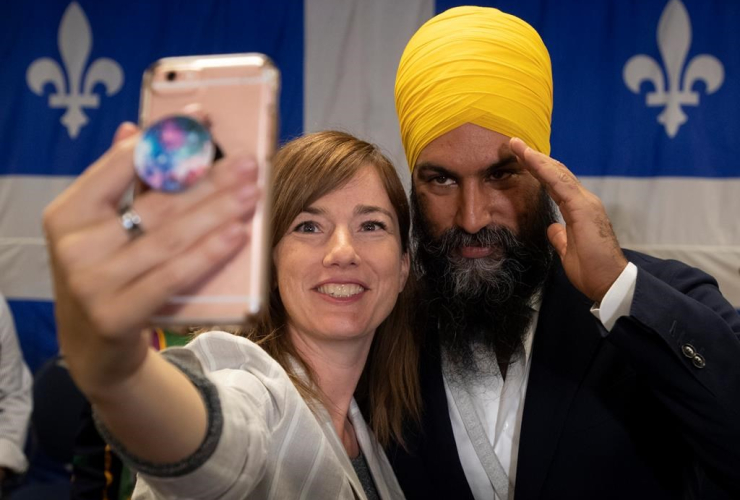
x: 587, y: 245
x: 108, y: 283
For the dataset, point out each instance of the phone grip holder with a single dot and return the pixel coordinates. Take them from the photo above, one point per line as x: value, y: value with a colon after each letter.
x: 174, y: 153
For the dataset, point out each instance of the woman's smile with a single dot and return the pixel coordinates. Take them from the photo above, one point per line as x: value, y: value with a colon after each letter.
x: 341, y: 290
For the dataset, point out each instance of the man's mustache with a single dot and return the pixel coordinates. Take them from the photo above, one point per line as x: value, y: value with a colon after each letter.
x: 492, y: 236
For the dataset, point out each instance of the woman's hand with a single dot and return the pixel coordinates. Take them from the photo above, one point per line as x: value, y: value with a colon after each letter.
x: 108, y: 283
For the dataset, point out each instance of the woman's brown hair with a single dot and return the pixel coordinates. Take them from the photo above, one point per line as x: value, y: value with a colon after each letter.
x: 306, y: 169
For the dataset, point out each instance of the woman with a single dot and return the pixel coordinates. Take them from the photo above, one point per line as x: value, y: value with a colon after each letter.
x: 222, y: 418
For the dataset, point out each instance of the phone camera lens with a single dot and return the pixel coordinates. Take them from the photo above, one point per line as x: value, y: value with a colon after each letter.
x: 171, y: 76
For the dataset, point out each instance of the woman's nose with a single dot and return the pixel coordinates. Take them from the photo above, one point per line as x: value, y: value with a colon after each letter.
x: 341, y: 250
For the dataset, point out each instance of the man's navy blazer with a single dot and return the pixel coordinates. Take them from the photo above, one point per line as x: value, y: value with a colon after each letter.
x: 632, y: 413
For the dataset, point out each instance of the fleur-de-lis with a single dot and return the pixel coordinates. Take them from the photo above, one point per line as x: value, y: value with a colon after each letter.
x: 674, y: 39
x: 75, y: 43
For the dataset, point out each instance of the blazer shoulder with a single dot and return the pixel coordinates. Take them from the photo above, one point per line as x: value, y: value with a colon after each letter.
x: 668, y: 270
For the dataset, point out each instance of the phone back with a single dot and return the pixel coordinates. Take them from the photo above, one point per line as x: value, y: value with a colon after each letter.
x: 236, y: 96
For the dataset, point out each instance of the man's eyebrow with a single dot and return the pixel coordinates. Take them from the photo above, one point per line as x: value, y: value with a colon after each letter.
x: 503, y: 162
x: 433, y: 168
x: 371, y: 209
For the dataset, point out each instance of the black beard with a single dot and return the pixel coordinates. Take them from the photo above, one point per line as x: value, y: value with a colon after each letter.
x: 481, y: 306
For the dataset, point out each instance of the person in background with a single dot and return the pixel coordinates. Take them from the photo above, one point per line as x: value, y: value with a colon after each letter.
x: 556, y: 364
x: 16, y: 399
x: 97, y: 471
x: 272, y: 415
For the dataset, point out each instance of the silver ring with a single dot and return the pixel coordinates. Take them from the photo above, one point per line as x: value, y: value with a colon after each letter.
x: 131, y: 222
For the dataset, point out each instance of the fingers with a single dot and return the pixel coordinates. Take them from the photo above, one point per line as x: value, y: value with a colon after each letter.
x: 90, y: 205
x: 105, y: 181
x: 190, y: 235
x: 560, y: 182
x: 587, y: 245
x: 557, y: 235
x: 186, y: 236
x: 96, y: 193
x: 157, y: 247
x: 146, y: 295
x: 124, y: 131
x: 230, y: 193
x: 228, y: 175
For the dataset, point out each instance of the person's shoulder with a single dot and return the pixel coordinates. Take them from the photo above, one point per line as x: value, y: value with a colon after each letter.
x: 219, y: 350
x: 643, y: 260
x: 7, y: 325
x: 667, y: 270
x: 223, y: 339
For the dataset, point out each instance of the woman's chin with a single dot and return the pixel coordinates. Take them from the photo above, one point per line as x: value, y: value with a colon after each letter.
x: 337, y: 329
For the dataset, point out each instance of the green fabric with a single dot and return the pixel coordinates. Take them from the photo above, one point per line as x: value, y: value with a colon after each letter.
x: 176, y: 339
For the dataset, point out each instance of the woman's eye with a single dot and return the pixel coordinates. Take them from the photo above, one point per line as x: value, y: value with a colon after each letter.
x: 373, y: 225
x: 307, y: 227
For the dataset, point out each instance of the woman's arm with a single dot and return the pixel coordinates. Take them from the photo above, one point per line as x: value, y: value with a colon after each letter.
x: 108, y: 285
x: 156, y: 413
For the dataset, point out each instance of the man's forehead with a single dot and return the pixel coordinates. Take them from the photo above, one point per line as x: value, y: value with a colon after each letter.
x: 467, y: 148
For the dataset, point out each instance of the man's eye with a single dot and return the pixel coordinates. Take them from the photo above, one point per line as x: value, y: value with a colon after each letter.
x: 442, y: 180
x: 499, y: 175
x: 307, y: 227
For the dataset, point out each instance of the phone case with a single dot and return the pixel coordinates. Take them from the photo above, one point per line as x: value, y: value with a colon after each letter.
x: 238, y: 95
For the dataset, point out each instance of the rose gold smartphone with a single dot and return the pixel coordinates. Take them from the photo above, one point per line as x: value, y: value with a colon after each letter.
x: 236, y: 96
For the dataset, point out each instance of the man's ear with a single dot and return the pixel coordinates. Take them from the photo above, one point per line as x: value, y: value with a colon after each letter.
x: 405, y: 268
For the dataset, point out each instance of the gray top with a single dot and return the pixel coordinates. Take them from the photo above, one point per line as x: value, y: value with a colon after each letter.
x: 366, y: 478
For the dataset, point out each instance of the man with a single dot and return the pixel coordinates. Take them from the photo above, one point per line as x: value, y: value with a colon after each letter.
x: 556, y: 365
x: 15, y: 399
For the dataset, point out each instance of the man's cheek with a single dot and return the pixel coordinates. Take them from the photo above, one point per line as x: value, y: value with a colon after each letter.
x: 434, y: 213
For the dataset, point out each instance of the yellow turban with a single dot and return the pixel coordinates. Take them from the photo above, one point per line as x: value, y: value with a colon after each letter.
x: 474, y: 65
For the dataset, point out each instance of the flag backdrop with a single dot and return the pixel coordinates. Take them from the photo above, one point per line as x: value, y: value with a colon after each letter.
x: 646, y: 106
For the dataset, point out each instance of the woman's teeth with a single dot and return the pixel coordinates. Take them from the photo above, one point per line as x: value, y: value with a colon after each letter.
x: 341, y: 291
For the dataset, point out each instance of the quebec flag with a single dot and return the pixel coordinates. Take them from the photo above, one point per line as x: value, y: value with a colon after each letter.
x: 647, y: 95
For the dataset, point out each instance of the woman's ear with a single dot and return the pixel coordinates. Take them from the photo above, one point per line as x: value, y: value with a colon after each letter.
x: 405, y: 268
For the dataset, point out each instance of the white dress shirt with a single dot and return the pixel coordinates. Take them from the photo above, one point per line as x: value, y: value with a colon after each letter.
x: 15, y: 395
x: 499, y: 404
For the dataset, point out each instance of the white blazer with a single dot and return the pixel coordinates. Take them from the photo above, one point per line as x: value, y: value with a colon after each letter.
x: 263, y: 440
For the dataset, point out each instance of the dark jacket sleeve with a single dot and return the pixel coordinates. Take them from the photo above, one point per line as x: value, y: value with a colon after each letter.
x: 684, y: 336
x: 96, y: 470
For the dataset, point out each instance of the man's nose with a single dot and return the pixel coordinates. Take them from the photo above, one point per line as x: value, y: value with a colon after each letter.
x: 341, y: 249
x: 473, y: 210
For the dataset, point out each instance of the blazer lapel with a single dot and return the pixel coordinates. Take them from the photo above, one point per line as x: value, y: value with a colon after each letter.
x: 380, y: 469
x: 322, y: 416
x: 438, y: 447
x: 565, y: 342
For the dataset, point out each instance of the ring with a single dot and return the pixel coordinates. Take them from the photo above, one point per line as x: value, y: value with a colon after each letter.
x: 131, y: 222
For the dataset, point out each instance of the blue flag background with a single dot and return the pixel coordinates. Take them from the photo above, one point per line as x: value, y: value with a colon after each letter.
x: 672, y: 188
x: 600, y: 127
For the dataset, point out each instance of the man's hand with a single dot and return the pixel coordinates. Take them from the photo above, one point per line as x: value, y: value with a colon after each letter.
x: 587, y: 246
